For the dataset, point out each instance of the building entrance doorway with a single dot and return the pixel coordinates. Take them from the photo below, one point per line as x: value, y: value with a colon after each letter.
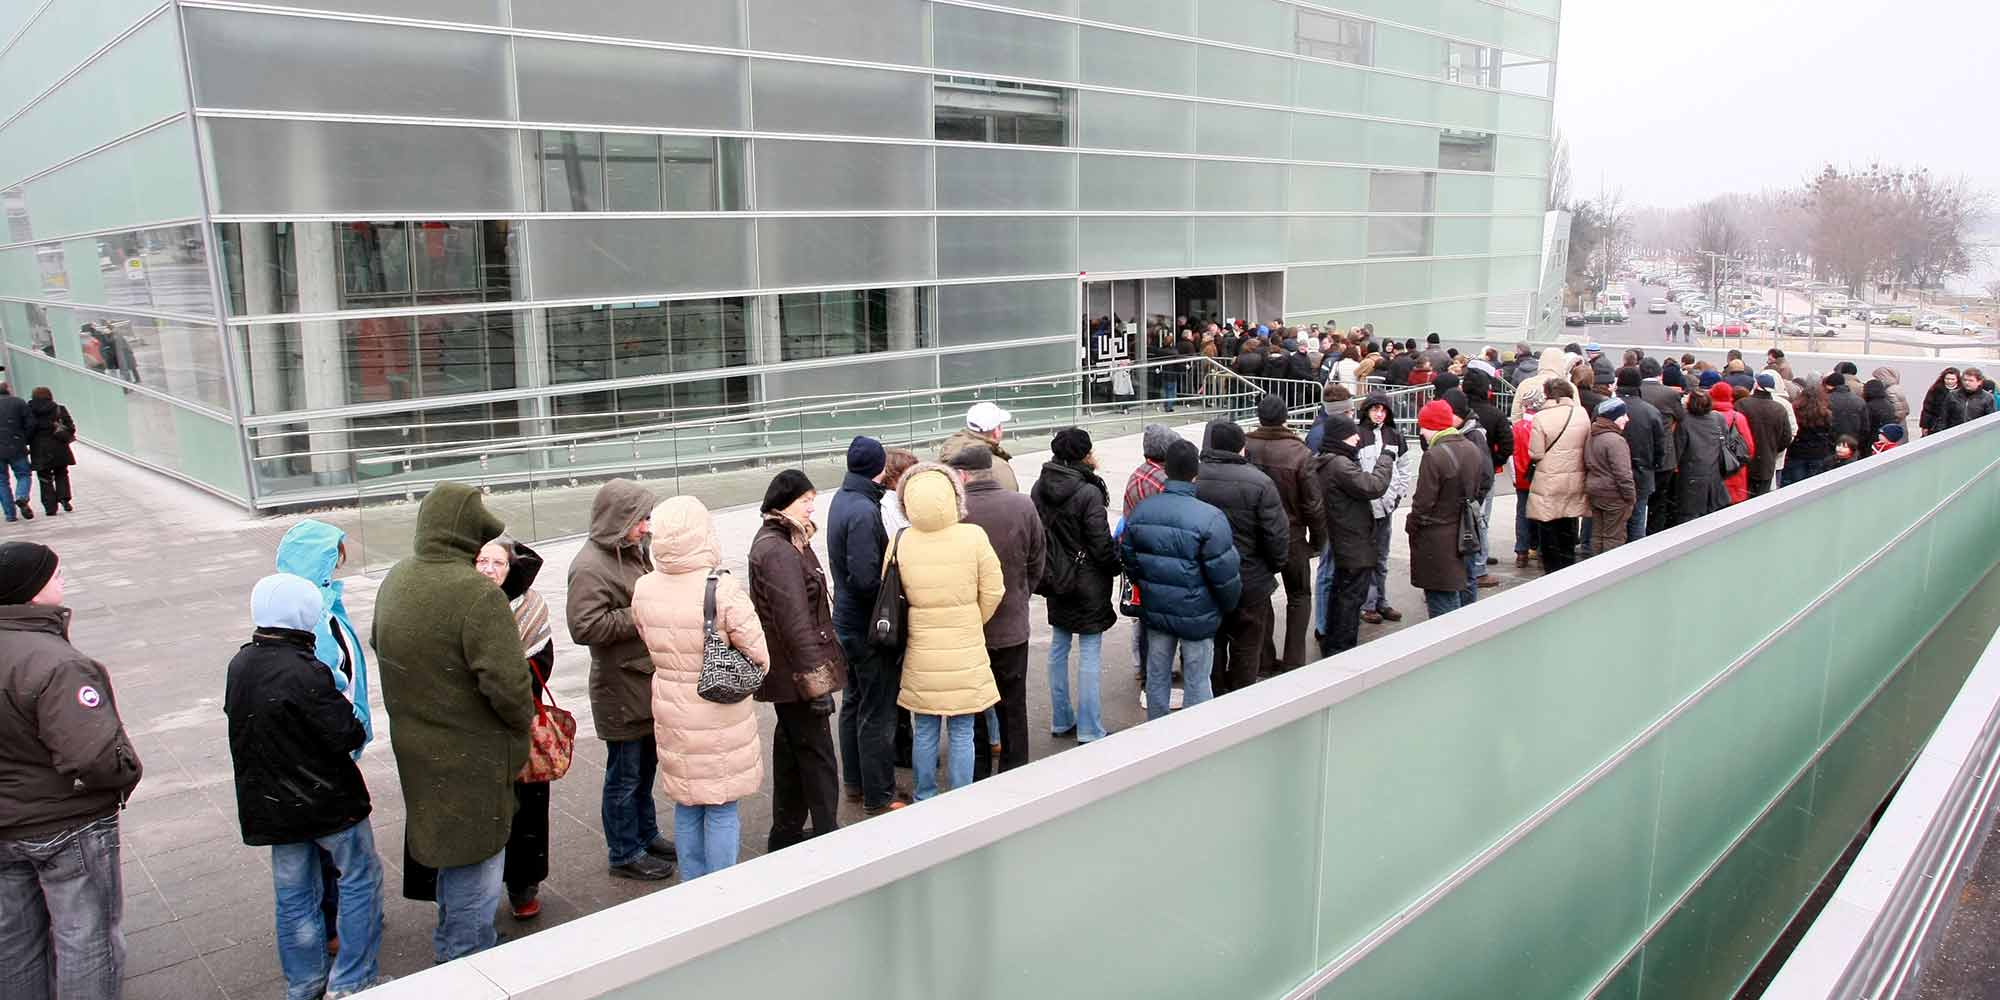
x: 1129, y: 321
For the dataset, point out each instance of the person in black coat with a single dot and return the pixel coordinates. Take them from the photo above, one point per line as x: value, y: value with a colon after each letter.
x: 291, y: 737
x: 1350, y: 493
x: 1262, y: 534
x: 1881, y: 408
x: 49, y: 450
x: 17, y: 425
x: 1699, y: 440
x: 1850, y: 414
x: 1943, y: 408
x: 1646, y: 435
x: 1076, y: 578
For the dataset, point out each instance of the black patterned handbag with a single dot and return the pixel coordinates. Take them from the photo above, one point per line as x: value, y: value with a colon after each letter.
x: 727, y: 676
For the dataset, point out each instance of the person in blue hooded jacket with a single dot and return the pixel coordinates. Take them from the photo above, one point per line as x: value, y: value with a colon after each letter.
x: 314, y: 549
x: 1181, y: 556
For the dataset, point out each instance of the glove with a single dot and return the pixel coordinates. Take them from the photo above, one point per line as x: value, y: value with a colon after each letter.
x: 822, y: 706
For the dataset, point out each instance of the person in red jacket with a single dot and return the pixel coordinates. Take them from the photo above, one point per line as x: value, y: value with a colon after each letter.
x: 1724, y: 396
x: 1524, y: 529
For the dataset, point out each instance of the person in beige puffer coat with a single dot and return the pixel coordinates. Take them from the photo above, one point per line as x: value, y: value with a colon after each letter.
x: 709, y: 756
x: 1556, y: 497
x: 952, y: 580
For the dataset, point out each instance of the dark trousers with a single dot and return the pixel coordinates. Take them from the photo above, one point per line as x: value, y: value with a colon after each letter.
x: 1298, y: 579
x: 1010, y: 672
x: 1660, y: 510
x: 1610, y: 528
x: 1239, y: 647
x: 805, y: 778
x: 1558, y: 543
x: 868, y: 722
x: 1343, y: 617
x: 527, y: 862
x: 630, y: 822
x: 1759, y: 487
x: 55, y: 486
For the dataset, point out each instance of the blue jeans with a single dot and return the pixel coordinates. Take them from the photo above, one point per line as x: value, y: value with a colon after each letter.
x: 1442, y: 602
x: 1378, y: 586
x: 1474, y: 565
x: 61, y: 897
x: 1322, y: 587
x: 924, y: 751
x: 1798, y: 470
x: 1635, y: 529
x: 295, y: 878
x: 1524, y: 529
x: 1485, y: 524
x: 1087, y: 717
x: 707, y: 838
x: 1197, y: 660
x: 24, y: 478
x: 992, y: 717
x: 467, y: 897
x: 868, y: 721
x: 630, y: 822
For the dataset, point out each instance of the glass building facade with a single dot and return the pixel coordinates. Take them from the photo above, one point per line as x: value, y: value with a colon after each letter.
x: 245, y: 241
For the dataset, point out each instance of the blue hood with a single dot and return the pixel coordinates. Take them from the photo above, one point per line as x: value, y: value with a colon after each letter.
x: 311, y: 549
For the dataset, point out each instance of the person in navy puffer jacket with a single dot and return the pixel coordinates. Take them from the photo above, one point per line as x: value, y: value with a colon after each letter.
x: 1180, y: 555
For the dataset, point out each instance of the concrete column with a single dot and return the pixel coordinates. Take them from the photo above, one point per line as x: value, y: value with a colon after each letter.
x: 263, y: 347
x: 323, y: 365
x: 531, y: 369
x: 766, y: 340
x: 903, y: 319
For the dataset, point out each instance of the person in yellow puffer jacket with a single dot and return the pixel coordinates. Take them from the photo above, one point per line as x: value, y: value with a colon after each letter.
x: 951, y: 578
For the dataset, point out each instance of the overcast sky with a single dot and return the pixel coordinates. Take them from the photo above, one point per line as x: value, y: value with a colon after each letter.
x: 1678, y: 102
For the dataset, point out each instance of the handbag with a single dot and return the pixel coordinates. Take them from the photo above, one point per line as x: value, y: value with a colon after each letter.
x: 727, y: 676
x: 1470, y: 527
x: 1128, y: 598
x: 889, y: 624
x: 65, y: 429
x: 1735, y: 451
x: 551, y: 737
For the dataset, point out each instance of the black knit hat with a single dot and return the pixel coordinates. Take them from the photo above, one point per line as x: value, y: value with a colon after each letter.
x: 1461, y: 407
x: 1271, y: 410
x: 1071, y: 444
x: 865, y: 457
x: 971, y: 458
x: 785, y: 489
x: 1339, y: 427
x: 25, y: 568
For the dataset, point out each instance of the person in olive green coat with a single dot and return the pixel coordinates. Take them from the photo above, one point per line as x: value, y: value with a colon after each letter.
x: 457, y: 691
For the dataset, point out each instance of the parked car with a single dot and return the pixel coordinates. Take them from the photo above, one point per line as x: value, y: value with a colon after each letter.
x: 1657, y: 307
x: 1948, y: 325
x: 1575, y: 319
x: 1728, y: 328
x: 1808, y: 326
x: 1897, y: 317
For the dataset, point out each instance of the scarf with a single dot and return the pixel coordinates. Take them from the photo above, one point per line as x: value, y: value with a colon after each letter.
x: 531, y: 616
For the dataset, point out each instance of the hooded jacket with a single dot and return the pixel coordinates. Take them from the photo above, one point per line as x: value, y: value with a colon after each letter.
x: 599, y: 612
x: 1282, y: 456
x: 1180, y: 554
x: 1554, y: 364
x: 709, y: 752
x: 1850, y: 414
x: 1070, y: 500
x: 311, y: 549
x: 1012, y: 526
x: 66, y: 760
x: 291, y: 734
x: 1725, y: 408
x: 48, y: 451
x: 1350, y: 493
x: 954, y: 584
x: 1607, y: 467
x: 789, y: 590
x: 1647, y: 438
x: 1770, y: 432
x: 455, y: 684
x: 1003, y: 467
x: 1478, y: 388
x: 1376, y: 440
x: 1556, y: 440
x: 855, y: 538
x: 1257, y: 522
x: 1881, y: 409
x: 1453, y: 471
x: 1897, y: 395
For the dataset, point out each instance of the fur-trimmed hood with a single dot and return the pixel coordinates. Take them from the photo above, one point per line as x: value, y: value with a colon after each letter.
x: 925, y: 499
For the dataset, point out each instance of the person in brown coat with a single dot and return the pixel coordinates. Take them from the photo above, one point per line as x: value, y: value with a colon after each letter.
x: 790, y: 592
x: 1454, y: 472
x: 1012, y: 526
x: 1770, y: 431
x: 1284, y: 457
x: 1607, y: 477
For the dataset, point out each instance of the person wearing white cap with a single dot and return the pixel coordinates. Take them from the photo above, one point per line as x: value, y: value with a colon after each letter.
x: 983, y: 425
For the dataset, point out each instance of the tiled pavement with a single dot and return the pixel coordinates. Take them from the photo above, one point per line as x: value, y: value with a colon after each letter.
x: 159, y: 577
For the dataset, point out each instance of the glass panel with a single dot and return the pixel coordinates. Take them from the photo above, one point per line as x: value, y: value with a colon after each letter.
x: 972, y: 109
x: 1525, y: 114
x: 374, y: 264
x: 60, y: 37
x: 1457, y: 277
x: 1532, y: 35
x: 572, y: 171
x: 1390, y: 191
x: 631, y: 173
x: 1123, y: 244
x: 1529, y: 75
x: 1465, y: 150
x: 1463, y: 193
x: 1232, y: 131
x: 1399, y: 281
x: 1004, y: 179
x: 1327, y: 239
x: 1408, y: 51
x: 699, y: 22
x: 1472, y: 65
x: 1398, y: 97
x: 1519, y: 194
x: 579, y: 343
x: 1517, y: 235
x: 462, y: 11
x: 859, y: 321
x: 1330, y: 36
x: 1137, y: 184
x: 1515, y: 155
x: 152, y: 176
x: 581, y: 258
x: 980, y: 367
x: 1465, y: 107
x: 267, y: 167
x: 1330, y: 88
x: 1401, y: 145
x: 703, y: 175
x: 1338, y: 140
x: 464, y: 352
x: 1120, y: 121
x: 843, y: 251
x: 98, y: 104
x: 985, y: 314
x: 890, y: 31
x: 841, y: 176
x: 987, y: 43
x: 1260, y: 79
x: 979, y: 247
x: 1173, y: 16
x: 1229, y: 186
x: 710, y: 333
x: 1227, y: 242
x: 277, y: 63
x: 619, y: 84
x: 1265, y: 24
x: 869, y: 377
x: 803, y: 97
x: 638, y: 339
x: 1138, y: 62
x: 1329, y: 189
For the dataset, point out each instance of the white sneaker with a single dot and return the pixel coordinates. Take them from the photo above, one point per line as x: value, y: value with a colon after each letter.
x: 379, y: 980
x: 1177, y: 700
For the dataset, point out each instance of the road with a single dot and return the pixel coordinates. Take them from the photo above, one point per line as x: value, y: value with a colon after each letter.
x: 1644, y: 329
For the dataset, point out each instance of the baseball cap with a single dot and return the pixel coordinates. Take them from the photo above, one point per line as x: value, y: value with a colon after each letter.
x: 986, y: 417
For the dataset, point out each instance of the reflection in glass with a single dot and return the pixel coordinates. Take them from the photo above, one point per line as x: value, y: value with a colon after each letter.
x: 579, y: 344
x: 970, y: 109
x: 858, y: 321
x: 1459, y: 150
x: 15, y: 208
x: 632, y: 172
x: 182, y: 360
x: 572, y: 171
x: 1343, y: 39
x: 589, y: 172
x: 1521, y: 74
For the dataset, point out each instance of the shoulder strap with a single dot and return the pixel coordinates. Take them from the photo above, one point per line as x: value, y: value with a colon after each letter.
x: 896, y: 548
x: 708, y: 600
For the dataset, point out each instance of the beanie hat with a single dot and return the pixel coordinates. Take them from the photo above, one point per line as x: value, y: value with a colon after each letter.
x: 25, y: 568
x: 1722, y: 392
x: 1224, y: 435
x: 971, y: 458
x: 1436, y: 416
x: 1271, y: 411
x: 1431, y: 339
x: 1893, y: 432
x: 786, y: 487
x: 1072, y: 444
x: 1670, y: 374
x: 865, y: 457
x: 1155, y: 440
x: 1767, y: 380
x: 1709, y: 378
x: 1461, y: 407
x: 1338, y: 428
x: 1611, y: 409
x: 1628, y: 377
x: 1443, y: 383
x: 1834, y: 381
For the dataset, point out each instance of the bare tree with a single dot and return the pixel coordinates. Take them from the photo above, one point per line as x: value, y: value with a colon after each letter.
x: 1559, y: 175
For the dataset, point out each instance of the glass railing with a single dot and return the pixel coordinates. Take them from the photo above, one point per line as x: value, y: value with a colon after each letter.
x: 1622, y: 779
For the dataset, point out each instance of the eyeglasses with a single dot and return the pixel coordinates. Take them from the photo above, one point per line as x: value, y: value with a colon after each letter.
x: 489, y: 564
